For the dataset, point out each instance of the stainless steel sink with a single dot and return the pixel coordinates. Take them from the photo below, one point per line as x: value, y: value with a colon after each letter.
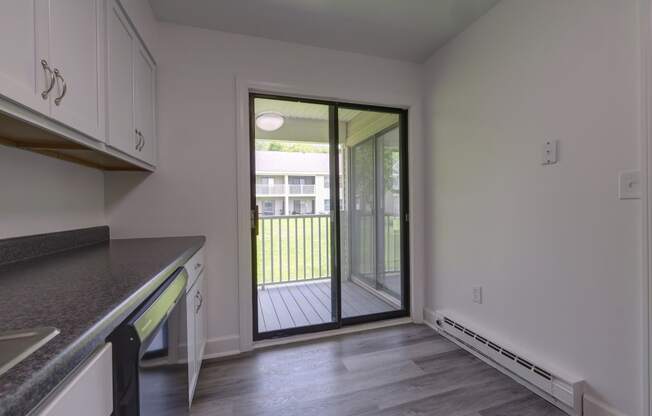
x: 15, y: 346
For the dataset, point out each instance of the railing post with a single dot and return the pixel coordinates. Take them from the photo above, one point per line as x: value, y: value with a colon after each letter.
x: 263, y: 254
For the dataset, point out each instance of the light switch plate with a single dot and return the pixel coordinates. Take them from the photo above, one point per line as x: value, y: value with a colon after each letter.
x: 550, y: 152
x: 477, y: 294
x: 629, y: 185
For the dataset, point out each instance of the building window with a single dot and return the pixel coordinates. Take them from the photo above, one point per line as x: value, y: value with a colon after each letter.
x: 327, y: 205
x: 302, y: 207
x: 327, y: 182
x: 268, y: 208
x: 301, y: 180
x: 301, y: 184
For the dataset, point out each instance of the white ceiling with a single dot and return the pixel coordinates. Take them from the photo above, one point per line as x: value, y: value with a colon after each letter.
x: 294, y: 109
x: 409, y: 30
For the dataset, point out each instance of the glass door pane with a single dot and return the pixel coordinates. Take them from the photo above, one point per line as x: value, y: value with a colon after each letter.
x: 293, y: 268
x: 371, y: 239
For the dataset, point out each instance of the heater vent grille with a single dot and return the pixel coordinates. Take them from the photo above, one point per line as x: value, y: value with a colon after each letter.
x: 540, y: 372
x: 560, y: 389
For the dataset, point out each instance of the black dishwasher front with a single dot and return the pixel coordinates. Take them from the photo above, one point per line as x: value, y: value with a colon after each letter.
x: 150, y: 360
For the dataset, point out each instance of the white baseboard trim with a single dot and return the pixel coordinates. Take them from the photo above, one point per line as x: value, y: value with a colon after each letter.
x: 594, y: 407
x: 429, y: 318
x: 222, y: 347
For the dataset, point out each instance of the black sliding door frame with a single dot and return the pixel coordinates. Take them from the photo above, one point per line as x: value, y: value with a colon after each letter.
x: 335, y: 209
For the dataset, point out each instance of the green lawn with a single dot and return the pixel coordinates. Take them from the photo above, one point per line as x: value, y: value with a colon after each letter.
x: 302, y: 252
x: 298, y: 248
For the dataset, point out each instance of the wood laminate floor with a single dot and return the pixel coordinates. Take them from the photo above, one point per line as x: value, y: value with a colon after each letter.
x: 303, y: 304
x: 406, y: 370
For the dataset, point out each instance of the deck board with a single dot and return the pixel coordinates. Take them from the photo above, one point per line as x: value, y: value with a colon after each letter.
x: 269, y: 312
x: 323, y: 311
x: 303, y: 304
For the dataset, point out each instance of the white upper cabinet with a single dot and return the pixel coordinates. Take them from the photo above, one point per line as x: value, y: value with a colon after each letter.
x: 78, y: 69
x: 120, y: 75
x: 76, y: 41
x: 25, y: 67
x: 144, y: 100
x: 131, y: 89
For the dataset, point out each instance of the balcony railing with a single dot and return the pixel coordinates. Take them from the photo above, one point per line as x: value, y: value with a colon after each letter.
x: 296, y: 248
x: 267, y: 189
x: 293, y: 248
x: 298, y: 189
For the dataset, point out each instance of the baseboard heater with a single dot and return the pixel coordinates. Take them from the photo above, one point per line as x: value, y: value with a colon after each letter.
x: 563, y: 391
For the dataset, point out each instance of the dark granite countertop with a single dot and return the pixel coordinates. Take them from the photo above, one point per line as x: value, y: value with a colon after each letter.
x: 86, y: 293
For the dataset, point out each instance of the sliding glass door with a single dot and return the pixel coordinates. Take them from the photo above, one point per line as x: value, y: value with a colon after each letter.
x: 329, y: 238
x: 374, y: 213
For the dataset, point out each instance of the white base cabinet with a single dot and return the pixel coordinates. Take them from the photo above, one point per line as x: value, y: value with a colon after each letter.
x: 89, y: 389
x: 196, y: 318
x: 193, y: 371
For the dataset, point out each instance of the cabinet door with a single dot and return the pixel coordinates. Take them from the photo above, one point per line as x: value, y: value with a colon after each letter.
x: 145, y: 102
x: 190, y: 325
x: 23, y: 45
x: 90, y: 388
x: 200, y: 322
x: 120, y: 76
x: 76, y: 32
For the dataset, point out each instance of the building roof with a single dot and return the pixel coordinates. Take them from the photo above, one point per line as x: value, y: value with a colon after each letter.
x: 292, y: 162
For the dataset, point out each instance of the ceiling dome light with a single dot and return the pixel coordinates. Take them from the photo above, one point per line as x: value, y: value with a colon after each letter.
x: 269, y: 121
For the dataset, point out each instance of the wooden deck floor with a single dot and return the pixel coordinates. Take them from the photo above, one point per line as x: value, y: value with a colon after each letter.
x: 297, y: 305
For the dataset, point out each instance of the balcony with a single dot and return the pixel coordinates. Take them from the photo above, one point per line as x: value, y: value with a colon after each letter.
x: 293, y: 272
x: 285, y: 306
x: 301, y: 189
x: 267, y: 189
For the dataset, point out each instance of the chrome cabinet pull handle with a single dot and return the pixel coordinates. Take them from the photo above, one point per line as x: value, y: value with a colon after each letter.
x: 139, y: 140
x: 53, y: 79
x: 57, y: 74
x: 198, y: 298
x: 137, y: 137
x: 142, y: 140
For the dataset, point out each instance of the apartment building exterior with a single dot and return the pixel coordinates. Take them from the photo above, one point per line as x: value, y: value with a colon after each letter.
x: 292, y: 183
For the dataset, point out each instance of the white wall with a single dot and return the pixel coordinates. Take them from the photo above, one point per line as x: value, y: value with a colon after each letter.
x: 558, y: 255
x: 194, y: 189
x: 42, y: 194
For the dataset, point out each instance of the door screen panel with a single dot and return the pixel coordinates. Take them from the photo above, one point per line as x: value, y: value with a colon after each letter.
x: 370, y: 153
